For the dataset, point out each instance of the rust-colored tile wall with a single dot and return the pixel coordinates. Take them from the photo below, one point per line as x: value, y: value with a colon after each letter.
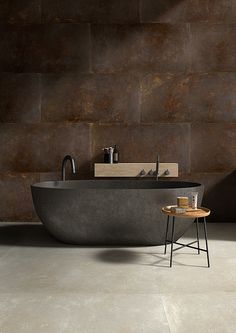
x: 140, y: 48
x: 151, y: 76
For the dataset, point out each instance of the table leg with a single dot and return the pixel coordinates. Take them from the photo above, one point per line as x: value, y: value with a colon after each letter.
x: 197, y: 235
x: 205, y: 232
x: 167, y: 227
x: 172, y: 240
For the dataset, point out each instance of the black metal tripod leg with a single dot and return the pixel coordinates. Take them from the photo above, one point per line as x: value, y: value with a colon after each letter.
x: 197, y: 236
x: 205, y: 232
x: 167, y: 227
x: 172, y: 240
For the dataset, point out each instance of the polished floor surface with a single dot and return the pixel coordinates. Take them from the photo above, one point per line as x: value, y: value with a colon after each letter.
x: 47, y: 286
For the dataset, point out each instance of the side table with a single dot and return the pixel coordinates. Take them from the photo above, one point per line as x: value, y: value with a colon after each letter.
x: 200, y: 212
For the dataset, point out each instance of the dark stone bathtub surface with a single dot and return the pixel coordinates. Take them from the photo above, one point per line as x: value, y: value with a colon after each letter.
x: 110, y: 212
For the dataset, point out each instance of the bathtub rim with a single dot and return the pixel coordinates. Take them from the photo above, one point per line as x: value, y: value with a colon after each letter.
x: 110, y: 184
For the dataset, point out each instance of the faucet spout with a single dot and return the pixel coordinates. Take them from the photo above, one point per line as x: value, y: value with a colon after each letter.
x: 157, y: 166
x: 63, y: 169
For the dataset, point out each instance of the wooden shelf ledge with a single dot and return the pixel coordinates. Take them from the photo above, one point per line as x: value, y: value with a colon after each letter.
x: 134, y: 170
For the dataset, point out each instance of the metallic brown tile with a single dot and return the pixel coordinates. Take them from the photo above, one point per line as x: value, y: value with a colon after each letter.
x: 219, y: 194
x: 178, y: 11
x: 20, y: 98
x: 65, y: 47
x: 81, y: 173
x: 213, y: 47
x: 141, y: 143
x: 163, y: 11
x: 41, y: 148
x: 212, y: 97
x: 59, y: 140
x: 213, y: 147
x: 49, y: 176
x: 44, y: 48
x: 206, y: 97
x: 137, y: 48
x: 217, y: 11
x: 20, y: 11
x: 98, y: 11
x: 233, y: 11
x: 93, y: 98
x: 20, y: 145
x: 164, y: 98
x: 21, y: 48
x: 15, y: 197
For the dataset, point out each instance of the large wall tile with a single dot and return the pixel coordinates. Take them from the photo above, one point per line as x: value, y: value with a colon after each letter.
x: 174, y: 11
x: 20, y: 148
x: 170, y: 11
x: 20, y: 11
x: 66, y: 48
x: 20, y: 98
x: 144, y: 47
x: 84, y: 173
x: 217, y: 11
x: 206, y: 97
x: 219, y: 194
x: 213, y: 147
x: 44, y: 48
x: 98, y: 11
x: 212, y: 97
x: 164, y: 98
x: 41, y: 148
x: 93, y: 98
x: 142, y: 143
x: 58, y: 140
x: 21, y: 48
x: 233, y: 11
x: 15, y: 197
x: 213, y: 47
x: 50, y: 176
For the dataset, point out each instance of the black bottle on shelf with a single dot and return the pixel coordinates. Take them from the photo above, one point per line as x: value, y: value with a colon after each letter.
x: 115, y: 155
x: 106, y: 155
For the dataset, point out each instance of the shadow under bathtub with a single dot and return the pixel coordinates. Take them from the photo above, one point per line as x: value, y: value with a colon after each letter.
x: 118, y: 256
x: 28, y: 235
x: 35, y: 234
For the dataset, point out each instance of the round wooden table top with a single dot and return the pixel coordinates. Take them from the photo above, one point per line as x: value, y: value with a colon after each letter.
x: 190, y: 213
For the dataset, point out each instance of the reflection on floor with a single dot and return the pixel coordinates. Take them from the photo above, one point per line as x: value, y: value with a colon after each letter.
x: 47, y: 286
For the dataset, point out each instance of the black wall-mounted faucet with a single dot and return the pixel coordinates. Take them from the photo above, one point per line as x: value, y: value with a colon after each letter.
x: 157, y: 167
x: 63, y: 168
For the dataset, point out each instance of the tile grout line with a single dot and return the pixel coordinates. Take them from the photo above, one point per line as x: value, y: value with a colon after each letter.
x: 40, y: 96
x: 190, y: 149
x: 139, y: 11
x: 165, y: 311
x: 90, y: 69
x: 139, y: 101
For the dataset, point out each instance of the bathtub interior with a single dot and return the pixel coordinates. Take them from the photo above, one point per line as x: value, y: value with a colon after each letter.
x: 115, y: 184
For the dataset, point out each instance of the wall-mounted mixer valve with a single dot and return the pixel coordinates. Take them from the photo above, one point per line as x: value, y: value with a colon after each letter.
x: 142, y: 173
x: 167, y: 172
x: 151, y: 173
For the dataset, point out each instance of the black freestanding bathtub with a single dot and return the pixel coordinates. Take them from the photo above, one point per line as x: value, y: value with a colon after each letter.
x: 110, y: 212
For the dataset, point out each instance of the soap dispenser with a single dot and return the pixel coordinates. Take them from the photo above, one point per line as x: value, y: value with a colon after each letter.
x: 115, y: 155
x: 111, y: 152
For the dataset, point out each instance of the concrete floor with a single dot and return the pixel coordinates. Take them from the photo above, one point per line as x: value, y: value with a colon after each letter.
x: 47, y: 286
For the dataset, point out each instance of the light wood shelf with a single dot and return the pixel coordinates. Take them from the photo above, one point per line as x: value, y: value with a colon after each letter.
x: 134, y: 170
